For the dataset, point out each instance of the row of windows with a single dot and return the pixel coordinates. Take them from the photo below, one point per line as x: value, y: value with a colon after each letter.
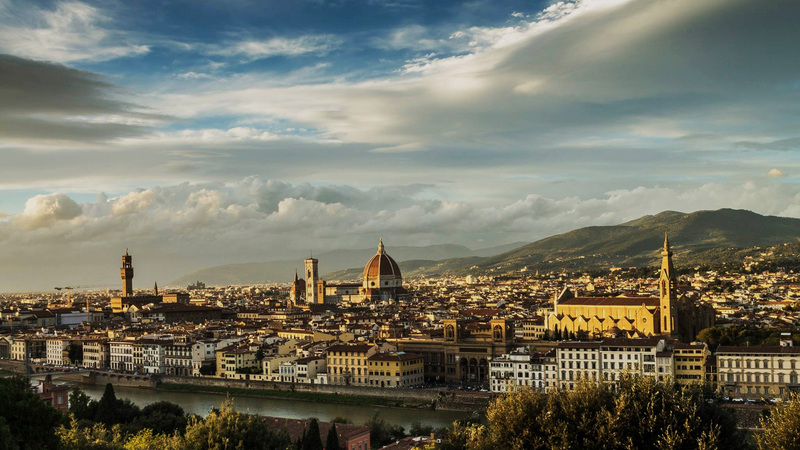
x: 754, y: 364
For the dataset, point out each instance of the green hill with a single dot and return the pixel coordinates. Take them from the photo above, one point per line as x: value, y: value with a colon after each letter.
x: 698, y: 237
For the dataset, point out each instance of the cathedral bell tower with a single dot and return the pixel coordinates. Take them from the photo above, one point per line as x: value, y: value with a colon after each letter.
x: 667, y: 288
x: 312, y: 276
x: 126, y: 273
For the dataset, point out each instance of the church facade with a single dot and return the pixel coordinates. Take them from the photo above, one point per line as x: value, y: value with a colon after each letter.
x: 669, y: 314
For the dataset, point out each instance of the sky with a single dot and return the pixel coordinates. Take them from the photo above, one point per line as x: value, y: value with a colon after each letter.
x: 206, y: 132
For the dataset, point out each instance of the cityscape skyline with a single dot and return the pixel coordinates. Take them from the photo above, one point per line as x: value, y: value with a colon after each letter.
x: 213, y: 134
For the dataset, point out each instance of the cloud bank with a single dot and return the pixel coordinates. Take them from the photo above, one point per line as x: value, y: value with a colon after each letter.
x: 178, y: 228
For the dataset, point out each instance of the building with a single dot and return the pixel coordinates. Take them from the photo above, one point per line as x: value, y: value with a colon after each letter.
x: 395, y: 369
x: 348, y: 363
x: 768, y: 371
x: 463, y: 355
x: 54, y: 394
x: 690, y: 362
x: 351, y: 437
x: 381, y: 281
x: 513, y: 371
x: 120, y: 354
x: 154, y: 353
x: 95, y: 354
x: 668, y: 314
x: 234, y: 359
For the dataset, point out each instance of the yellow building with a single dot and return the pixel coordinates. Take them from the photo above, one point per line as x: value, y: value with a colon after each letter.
x: 348, y: 363
x: 233, y: 358
x: 668, y: 314
x: 690, y: 362
x: 395, y: 369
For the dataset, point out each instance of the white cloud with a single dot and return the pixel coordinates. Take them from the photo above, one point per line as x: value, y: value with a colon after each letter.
x: 46, y: 210
x: 194, y: 76
x: 775, y: 173
x: 71, y: 32
x: 278, y: 46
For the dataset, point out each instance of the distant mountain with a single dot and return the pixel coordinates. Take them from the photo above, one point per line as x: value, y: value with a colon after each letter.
x: 333, y: 261
x: 718, y: 237
x: 696, y: 238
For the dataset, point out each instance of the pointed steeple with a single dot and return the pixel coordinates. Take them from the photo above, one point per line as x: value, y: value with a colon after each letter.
x: 295, y: 275
x: 667, y: 286
x: 155, y: 288
x: 380, y: 246
x: 666, y: 250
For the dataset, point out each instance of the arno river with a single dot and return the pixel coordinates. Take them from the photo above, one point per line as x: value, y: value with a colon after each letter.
x: 199, y: 403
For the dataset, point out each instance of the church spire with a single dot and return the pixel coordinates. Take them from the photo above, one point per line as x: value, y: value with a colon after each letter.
x: 667, y: 286
x: 155, y: 288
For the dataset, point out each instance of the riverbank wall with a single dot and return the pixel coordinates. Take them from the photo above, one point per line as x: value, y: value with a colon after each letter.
x: 440, y: 400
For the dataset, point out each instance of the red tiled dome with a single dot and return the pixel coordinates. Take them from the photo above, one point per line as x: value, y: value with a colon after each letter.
x: 381, y: 267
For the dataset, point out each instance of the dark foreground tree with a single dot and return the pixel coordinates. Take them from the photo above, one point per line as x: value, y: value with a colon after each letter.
x: 639, y: 412
x: 27, y: 422
x: 332, y: 441
x: 311, y: 438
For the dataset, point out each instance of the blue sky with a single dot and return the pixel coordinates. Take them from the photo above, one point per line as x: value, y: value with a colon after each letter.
x: 205, y: 132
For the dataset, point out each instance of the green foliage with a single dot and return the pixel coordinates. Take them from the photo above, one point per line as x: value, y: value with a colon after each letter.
x: 638, y: 413
x: 340, y: 419
x: 417, y: 429
x: 96, y: 437
x: 162, y: 418
x: 228, y: 429
x: 745, y: 335
x: 28, y: 422
x: 332, y: 441
x: 81, y: 406
x: 782, y: 426
x: 208, y: 369
x: 75, y: 353
x: 381, y: 433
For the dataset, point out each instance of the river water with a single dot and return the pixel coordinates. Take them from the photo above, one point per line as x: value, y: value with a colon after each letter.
x: 201, y: 403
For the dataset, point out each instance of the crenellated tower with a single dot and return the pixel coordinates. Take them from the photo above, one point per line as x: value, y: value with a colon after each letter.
x: 126, y: 273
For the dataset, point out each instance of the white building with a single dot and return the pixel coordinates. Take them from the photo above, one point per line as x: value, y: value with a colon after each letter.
x: 120, y: 355
x: 203, y: 354
x: 154, y: 353
x: 56, y: 351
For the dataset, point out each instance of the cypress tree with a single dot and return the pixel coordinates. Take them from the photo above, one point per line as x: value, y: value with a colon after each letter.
x: 312, y: 440
x: 332, y: 441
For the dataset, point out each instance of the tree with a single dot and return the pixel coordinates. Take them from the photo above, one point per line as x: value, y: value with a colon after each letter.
x: 162, y: 418
x: 75, y: 353
x: 28, y: 422
x: 229, y: 429
x: 639, y: 412
x: 208, y: 369
x: 417, y: 429
x: 332, y: 441
x: 81, y: 406
x: 311, y: 437
x: 381, y: 433
x: 111, y: 410
x: 782, y: 426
